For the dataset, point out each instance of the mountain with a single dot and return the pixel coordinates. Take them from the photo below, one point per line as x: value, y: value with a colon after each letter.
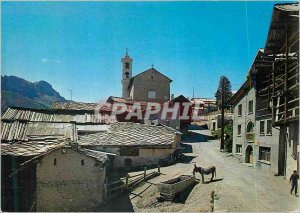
x: 18, y: 92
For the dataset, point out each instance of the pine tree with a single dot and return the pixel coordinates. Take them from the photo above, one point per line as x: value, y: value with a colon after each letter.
x: 227, y: 93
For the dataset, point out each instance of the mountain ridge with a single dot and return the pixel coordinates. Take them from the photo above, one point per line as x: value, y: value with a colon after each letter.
x: 18, y: 92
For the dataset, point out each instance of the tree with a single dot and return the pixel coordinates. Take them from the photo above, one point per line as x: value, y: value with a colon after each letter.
x: 227, y: 93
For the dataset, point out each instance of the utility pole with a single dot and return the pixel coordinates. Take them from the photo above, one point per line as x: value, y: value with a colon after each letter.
x: 222, y: 114
x: 71, y: 92
x: 193, y: 93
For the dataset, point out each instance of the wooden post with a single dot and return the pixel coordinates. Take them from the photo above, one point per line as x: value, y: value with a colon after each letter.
x: 145, y: 170
x: 286, y: 75
x: 158, y: 169
x: 127, y: 177
x: 286, y: 97
x: 222, y: 115
x: 105, y: 190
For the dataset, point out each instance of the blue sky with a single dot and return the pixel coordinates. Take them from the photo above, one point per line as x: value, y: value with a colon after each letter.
x: 79, y: 45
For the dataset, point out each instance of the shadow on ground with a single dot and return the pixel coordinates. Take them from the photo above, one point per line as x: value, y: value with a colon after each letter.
x: 182, y: 196
x: 186, y: 159
x: 186, y: 148
x: 209, y: 181
x: 197, y: 127
x: 121, y: 204
x: 195, y: 137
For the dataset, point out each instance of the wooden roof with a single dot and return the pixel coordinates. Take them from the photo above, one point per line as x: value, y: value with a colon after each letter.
x: 54, y: 115
x: 285, y: 16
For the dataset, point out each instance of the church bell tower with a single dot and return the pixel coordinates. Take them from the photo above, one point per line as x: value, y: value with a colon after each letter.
x: 126, y: 74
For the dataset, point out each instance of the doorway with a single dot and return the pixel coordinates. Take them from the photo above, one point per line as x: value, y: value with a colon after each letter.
x: 249, y: 155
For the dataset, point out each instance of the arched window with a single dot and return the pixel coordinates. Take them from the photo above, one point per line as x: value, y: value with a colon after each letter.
x: 127, y: 74
x: 126, y: 65
x: 250, y: 127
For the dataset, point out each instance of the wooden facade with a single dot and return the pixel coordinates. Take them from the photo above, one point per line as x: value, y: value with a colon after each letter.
x: 278, y: 84
x: 275, y: 76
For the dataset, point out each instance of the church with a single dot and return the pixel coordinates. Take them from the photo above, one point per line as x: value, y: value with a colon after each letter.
x: 150, y: 85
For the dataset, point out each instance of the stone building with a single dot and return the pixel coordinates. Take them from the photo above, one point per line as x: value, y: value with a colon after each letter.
x: 274, y: 75
x: 213, y: 119
x: 150, y: 85
x: 135, y: 144
x: 51, y: 176
x: 70, y: 180
x: 31, y: 140
x: 255, y: 140
x: 244, y: 123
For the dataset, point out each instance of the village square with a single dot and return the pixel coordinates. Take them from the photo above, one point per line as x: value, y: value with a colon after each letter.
x: 149, y: 150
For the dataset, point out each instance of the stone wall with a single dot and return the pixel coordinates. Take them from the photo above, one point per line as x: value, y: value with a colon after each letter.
x: 243, y: 120
x: 292, y: 143
x: 146, y: 156
x: 150, y: 81
x: 69, y: 185
x: 267, y: 140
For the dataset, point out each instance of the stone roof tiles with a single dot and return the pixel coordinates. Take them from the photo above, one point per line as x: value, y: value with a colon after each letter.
x: 131, y: 134
x: 30, y: 148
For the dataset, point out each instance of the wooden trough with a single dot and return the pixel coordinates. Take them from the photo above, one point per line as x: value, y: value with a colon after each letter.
x: 173, y: 187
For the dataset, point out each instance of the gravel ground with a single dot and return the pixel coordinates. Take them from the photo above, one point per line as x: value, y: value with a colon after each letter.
x: 238, y: 187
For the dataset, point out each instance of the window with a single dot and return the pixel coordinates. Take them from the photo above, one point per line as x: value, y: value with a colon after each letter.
x: 54, y: 161
x: 250, y: 107
x: 214, y: 126
x: 238, y: 148
x: 262, y: 127
x: 126, y: 65
x: 152, y: 76
x: 128, y: 162
x: 127, y: 74
x: 82, y: 162
x: 264, y: 153
x: 250, y: 127
x: 269, y: 127
x: 240, y: 110
x: 239, y: 131
x: 151, y: 94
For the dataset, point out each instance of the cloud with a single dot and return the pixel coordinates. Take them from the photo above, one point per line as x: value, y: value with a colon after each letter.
x: 46, y: 60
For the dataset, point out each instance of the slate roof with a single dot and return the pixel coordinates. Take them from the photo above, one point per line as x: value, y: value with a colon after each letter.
x: 127, y: 101
x: 74, y: 105
x: 33, y: 149
x: 99, y: 156
x: 131, y: 134
x: 30, y: 148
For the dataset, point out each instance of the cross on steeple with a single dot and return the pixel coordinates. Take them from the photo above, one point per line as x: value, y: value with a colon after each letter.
x: 126, y: 51
x: 152, y: 65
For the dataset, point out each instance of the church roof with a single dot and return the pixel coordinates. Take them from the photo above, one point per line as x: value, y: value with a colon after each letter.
x: 151, y: 69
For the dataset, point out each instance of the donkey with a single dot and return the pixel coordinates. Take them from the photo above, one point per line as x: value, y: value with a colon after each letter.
x: 205, y: 171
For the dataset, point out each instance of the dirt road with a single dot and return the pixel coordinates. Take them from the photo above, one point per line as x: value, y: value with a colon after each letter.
x: 238, y: 188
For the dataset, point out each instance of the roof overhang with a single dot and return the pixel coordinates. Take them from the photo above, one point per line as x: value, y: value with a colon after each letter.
x: 285, y: 17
